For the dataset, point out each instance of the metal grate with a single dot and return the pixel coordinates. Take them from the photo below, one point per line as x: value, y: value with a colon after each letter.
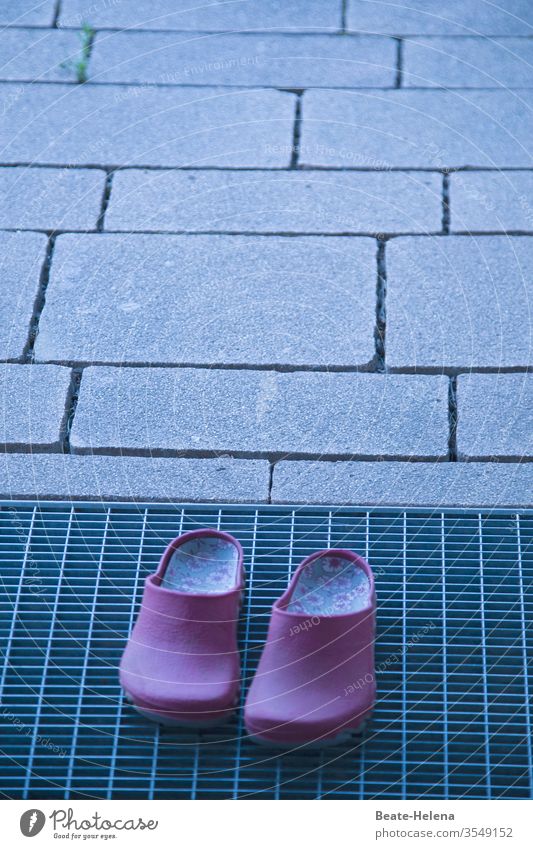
x: 453, y: 718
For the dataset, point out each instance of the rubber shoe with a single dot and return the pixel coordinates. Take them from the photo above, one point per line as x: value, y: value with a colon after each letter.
x: 315, y: 683
x: 181, y: 664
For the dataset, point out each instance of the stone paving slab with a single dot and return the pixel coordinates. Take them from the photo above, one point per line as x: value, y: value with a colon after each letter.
x: 120, y: 125
x: 291, y: 61
x: 50, y: 198
x: 33, y: 400
x: 269, y: 201
x: 123, y: 478
x: 432, y: 17
x: 184, y: 15
x: 459, y: 302
x: 491, y: 200
x: 27, y: 12
x: 38, y: 54
x: 210, y: 299
x: 474, y: 62
x: 495, y: 415
x: 252, y: 322
x: 416, y: 129
x: 22, y: 257
x: 261, y: 412
x: 404, y: 484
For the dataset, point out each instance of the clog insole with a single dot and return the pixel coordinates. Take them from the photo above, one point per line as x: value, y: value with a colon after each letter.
x: 330, y: 585
x: 202, y: 565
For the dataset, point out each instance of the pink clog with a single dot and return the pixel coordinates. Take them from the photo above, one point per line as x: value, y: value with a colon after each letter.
x: 315, y: 683
x: 181, y: 664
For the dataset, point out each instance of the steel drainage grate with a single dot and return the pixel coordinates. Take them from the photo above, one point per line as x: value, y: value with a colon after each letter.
x: 455, y: 609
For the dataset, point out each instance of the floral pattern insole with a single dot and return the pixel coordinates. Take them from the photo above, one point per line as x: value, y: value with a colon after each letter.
x: 202, y: 565
x: 330, y: 585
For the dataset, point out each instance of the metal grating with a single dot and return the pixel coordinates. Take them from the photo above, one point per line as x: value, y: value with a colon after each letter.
x: 453, y: 718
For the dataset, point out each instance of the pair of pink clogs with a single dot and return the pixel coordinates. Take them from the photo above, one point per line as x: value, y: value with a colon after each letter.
x: 315, y: 683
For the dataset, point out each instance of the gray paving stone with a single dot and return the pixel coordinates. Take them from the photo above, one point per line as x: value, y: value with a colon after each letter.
x: 126, y: 478
x: 210, y: 299
x: 432, y: 17
x: 490, y: 201
x: 269, y: 201
x: 50, y: 198
x: 37, y: 54
x: 450, y: 62
x: 292, y: 61
x: 21, y: 260
x: 184, y: 15
x: 404, y: 484
x: 458, y: 301
x: 27, y: 12
x: 495, y: 415
x: 261, y: 412
x: 32, y: 400
x: 143, y: 125
x: 419, y: 129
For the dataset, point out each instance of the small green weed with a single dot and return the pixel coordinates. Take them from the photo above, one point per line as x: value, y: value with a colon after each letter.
x: 79, y: 65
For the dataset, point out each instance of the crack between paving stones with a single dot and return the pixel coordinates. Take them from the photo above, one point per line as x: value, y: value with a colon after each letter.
x: 71, y: 404
x: 344, y: 16
x: 89, y: 53
x: 296, y: 132
x: 395, y: 169
x: 367, y: 368
x: 285, y: 234
x: 251, y: 32
x: 281, y: 368
x: 106, y: 195
x: 29, y: 448
x: 455, y: 371
x: 229, y: 87
x: 254, y: 32
x: 446, y: 203
x: 399, y: 63
x: 381, y: 312
x: 270, y: 482
x: 452, y: 419
x: 149, y: 453
x: 38, y: 306
x: 57, y: 12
